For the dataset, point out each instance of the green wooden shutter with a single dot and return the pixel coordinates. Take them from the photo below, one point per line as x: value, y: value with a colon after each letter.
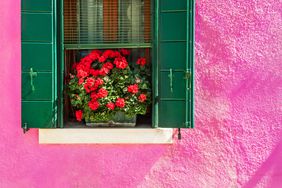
x: 175, y: 58
x: 39, y: 80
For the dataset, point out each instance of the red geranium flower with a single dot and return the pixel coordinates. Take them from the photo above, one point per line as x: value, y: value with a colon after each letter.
x: 102, y: 93
x: 94, y: 72
x: 87, y: 60
x: 96, y: 52
x: 108, y: 65
x: 111, y: 106
x: 78, y: 115
x: 117, y: 54
x: 120, y: 63
x: 90, y: 85
x: 125, y: 52
x: 90, y: 81
x: 94, y: 96
x: 93, y: 105
x: 94, y: 55
x: 86, y: 88
x: 109, y: 54
x: 99, y: 82
x: 102, y: 59
x: 80, y: 81
x: 133, y: 88
x: 142, y: 97
x: 81, y: 74
x: 120, y: 102
x: 141, y: 61
x: 104, y: 71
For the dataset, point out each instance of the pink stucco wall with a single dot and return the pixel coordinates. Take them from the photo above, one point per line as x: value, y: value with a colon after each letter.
x: 237, y: 141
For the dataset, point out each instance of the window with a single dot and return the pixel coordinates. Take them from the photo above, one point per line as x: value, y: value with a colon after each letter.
x: 55, y: 33
x: 110, y: 23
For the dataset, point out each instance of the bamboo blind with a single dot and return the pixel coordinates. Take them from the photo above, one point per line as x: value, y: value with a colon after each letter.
x: 107, y: 21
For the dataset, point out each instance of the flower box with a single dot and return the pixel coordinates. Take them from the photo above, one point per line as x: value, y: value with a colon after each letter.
x: 119, y: 119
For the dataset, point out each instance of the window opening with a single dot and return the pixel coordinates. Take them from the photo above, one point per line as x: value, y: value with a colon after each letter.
x: 101, y: 25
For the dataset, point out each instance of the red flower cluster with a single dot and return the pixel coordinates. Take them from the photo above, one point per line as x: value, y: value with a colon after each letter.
x: 102, y: 59
x: 89, y: 85
x: 92, y: 84
x: 111, y: 106
x: 120, y: 63
x: 133, y: 88
x: 93, y: 105
x: 99, y: 82
x: 93, y: 73
x: 104, y: 71
x: 108, y: 65
x: 78, y: 115
x: 120, y: 102
x: 84, y: 69
x: 142, y: 97
x: 102, y: 93
x: 125, y: 52
x: 141, y: 61
x: 111, y: 54
x: 94, y: 96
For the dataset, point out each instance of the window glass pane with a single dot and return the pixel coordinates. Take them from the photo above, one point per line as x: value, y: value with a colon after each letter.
x: 107, y: 21
x: 90, y: 14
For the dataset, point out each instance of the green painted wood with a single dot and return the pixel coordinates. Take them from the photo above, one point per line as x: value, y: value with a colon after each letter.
x: 32, y: 56
x: 170, y: 28
x: 176, y: 56
x: 42, y: 84
x: 61, y: 70
x: 192, y: 60
x: 155, y: 65
x: 36, y: 5
x: 173, y: 5
x: 175, y: 63
x: 178, y: 84
x: 39, y: 62
x: 38, y: 114
x: 106, y: 46
x: 37, y: 27
x: 172, y: 113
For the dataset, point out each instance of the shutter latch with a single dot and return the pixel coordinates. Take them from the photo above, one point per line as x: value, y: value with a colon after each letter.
x: 187, y: 75
x: 170, y: 76
x: 32, y: 74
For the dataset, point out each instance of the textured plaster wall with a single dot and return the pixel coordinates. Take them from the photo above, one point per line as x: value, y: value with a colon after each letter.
x: 238, y: 137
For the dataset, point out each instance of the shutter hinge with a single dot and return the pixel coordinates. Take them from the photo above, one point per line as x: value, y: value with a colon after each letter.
x: 25, y: 128
x: 157, y: 99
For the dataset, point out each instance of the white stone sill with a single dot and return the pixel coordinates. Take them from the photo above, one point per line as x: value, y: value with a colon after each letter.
x: 106, y: 136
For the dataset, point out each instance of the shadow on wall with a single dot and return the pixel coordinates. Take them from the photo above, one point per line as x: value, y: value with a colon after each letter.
x: 271, y: 167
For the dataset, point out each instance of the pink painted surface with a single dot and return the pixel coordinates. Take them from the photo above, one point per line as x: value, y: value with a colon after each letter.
x: 238, y: 137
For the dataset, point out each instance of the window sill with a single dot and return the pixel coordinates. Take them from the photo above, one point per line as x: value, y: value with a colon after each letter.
x: 105, y: 136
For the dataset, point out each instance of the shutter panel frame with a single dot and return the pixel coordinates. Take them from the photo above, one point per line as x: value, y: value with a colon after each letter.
x: 174, y: 90
x: 39, y: 64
